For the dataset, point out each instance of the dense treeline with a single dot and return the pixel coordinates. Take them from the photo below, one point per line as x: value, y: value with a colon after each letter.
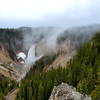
x: 83, y: 72
x: 39, y: 65
x: 6, y: 85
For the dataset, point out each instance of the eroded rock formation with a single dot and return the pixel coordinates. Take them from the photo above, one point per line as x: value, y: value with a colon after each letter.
x: 66, y: 92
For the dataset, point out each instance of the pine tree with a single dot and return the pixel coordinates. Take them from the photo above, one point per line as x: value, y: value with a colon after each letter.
x: 82, y: 86
x: 96, y: 93
x: 40, y: 91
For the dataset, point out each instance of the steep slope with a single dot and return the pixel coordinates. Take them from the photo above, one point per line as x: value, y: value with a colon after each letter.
x: 4, y: 57
x: 11, y: 42
x: 6, y: 85
x: 82, y: 72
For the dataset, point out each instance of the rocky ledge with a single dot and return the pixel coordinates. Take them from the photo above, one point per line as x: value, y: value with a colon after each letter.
x: 66, y: 92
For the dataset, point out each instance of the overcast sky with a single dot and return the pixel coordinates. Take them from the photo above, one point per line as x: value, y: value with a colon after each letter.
x: 16, y: 13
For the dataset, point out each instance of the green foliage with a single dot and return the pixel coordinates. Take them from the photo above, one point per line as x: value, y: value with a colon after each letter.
x: 96, y: 92
x: 6, y: 85
x: 40, y: 85
x: 82, y: 86
x: 83, y: 72
x: 39, y: 65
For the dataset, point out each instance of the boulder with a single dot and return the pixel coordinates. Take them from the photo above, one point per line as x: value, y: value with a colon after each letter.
x: 66, y: 92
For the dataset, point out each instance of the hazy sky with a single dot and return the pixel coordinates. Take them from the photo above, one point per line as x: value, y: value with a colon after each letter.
x: 16, y: 13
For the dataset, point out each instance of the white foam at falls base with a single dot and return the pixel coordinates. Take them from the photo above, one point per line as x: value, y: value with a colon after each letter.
x: 21, y: 55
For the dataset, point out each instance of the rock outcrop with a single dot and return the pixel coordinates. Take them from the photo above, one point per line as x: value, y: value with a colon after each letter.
x: 66, y: 92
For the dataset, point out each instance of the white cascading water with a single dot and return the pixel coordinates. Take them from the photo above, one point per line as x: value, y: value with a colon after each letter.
x: 30, y: 60
x: 31, y: 57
